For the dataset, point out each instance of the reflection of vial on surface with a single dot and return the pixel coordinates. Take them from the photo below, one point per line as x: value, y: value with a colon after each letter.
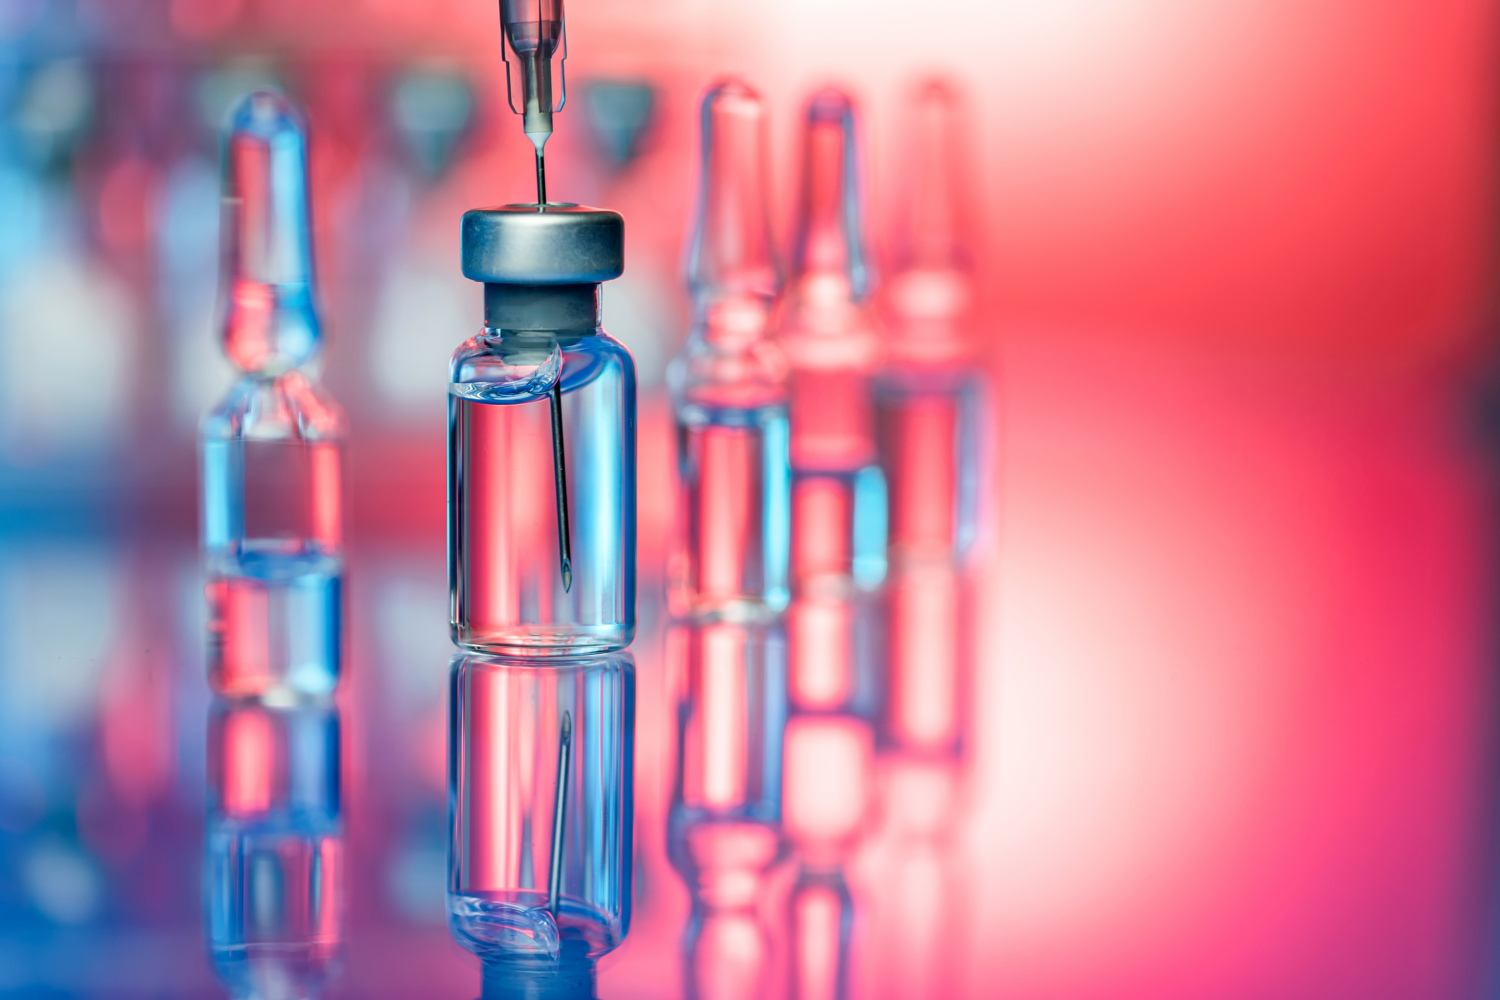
x: 833, y: 347
x: 275, y: 849
x: 728, y: 383
x: 271, y: 514
x: 541, y: 789
x: 724, y: 829
x: 541, y: 451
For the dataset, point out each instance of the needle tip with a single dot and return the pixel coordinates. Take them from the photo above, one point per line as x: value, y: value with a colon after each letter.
x: 567, y: 575
x: 567, y: 726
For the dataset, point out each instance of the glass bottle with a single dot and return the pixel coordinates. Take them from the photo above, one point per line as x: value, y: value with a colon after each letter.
x: 271, y: 517
x: 541, y: 447
x: 275, y: 848
x: 833, y: 346
x: 729, y: 382
x: 724, y: 828
x: 541, y: 800
x: 930, y: 415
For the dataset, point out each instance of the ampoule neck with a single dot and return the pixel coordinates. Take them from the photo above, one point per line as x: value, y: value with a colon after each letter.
x: 733, y: 322
x: 828, y: 257
x: 731, y: 253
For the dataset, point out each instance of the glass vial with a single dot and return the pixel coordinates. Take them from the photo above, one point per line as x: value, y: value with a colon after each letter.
x: 833, y: 346
x: 541, y: 798
x: 541, y: 448
x: 271, y: 501
x: 730, y: 556
x: 275, y: 849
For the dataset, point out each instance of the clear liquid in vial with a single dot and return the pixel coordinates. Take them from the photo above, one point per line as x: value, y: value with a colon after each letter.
x: 506, y: 581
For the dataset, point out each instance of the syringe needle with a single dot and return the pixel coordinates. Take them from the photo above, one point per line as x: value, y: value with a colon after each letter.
x: 559, y: 810
x: 560, y: 475
x: 541, y: 181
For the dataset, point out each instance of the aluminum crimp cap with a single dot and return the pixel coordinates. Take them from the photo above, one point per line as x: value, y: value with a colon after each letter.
x: 565, y: 245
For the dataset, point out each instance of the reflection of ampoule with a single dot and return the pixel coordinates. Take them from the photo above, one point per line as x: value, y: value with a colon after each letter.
x: 833, y: 348
x: 724, y: 830
x: 826, y: 801
x: 929, y: 410
x: 275, y: 849
x: 728, y: 383
x: 271, y: 501
x: 541, y: 785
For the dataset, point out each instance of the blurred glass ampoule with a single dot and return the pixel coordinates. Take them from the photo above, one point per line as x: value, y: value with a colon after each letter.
x: 833, y: 346
x: 271, y: 518
x: 275, y: 849
x: 541, y: 792
x: 930, y: 411
x: 724, y: 829
x: 828, y: 790
x: 730, y: 556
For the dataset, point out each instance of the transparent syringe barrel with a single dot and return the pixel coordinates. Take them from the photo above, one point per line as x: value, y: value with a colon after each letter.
x: 532, y: 26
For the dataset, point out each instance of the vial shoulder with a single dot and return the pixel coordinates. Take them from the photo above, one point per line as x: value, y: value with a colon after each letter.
x: 610, y: 352
x: 482, y: 355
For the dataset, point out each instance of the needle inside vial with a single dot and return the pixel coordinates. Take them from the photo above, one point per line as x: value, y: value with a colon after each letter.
x: 560, y: 476
x: 541, y: 180
x: 559, y: 810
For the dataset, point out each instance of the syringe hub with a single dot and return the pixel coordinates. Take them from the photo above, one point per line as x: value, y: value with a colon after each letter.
x: 534, y: 35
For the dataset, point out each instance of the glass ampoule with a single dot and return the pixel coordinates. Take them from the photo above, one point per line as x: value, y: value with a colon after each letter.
x: 831, y: 341
x: 730, y: 555
x: 272, y: 516
x: 541, y: 453
x: 724, y: 827
x: 930, y: 405
x: 541, y: 801
x: 274, y: 871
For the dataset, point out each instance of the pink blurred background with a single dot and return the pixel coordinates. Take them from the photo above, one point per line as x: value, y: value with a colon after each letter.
x: 1235, y: 622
